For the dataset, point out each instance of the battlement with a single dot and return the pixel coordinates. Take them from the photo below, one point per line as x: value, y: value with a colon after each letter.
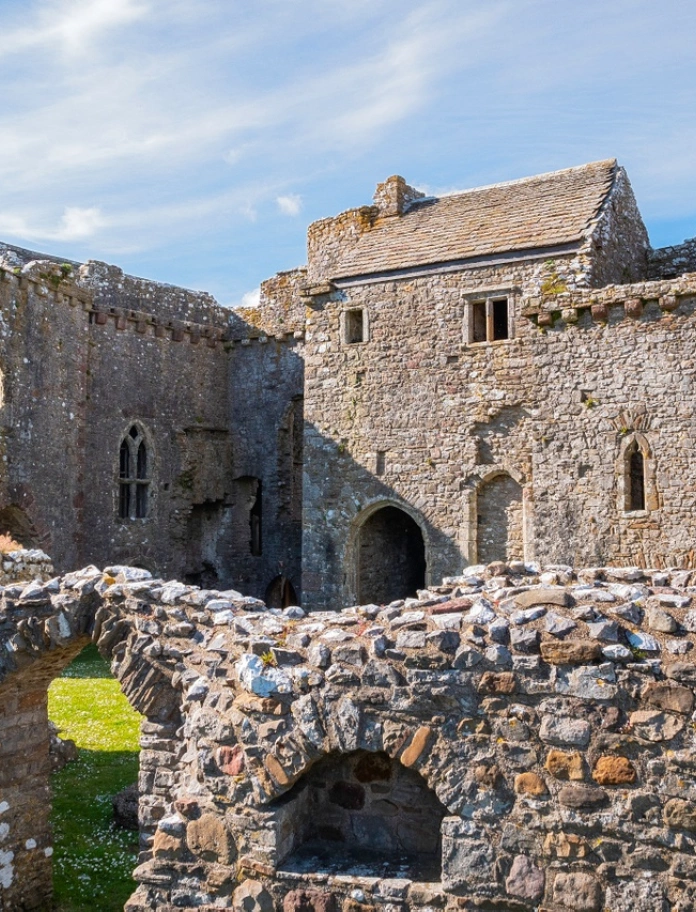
x: 568, y: 307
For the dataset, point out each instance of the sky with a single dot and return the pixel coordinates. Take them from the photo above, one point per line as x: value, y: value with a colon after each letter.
x: 193, y: 142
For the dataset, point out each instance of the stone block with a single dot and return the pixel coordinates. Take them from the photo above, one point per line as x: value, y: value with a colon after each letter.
x: 252, y: 896
x: 310, y: 901
x: 610, y: 770
x: 530, y: 784
x: 567, y: 766
x: 570, y: 652
x: 210, y: 840
x: 680, y: 814
x: 525, y: 880
x: 578, y: 892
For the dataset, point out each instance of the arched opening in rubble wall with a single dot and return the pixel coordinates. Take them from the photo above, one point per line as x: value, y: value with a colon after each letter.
x: 389, y: 555
x: 42, y: 630
x: 360, y: 814
x: 17, y: 527
x: 499, y: 520
x: 280, y: 593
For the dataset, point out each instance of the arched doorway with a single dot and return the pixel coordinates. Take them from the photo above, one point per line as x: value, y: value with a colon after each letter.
x: 280, y: 593
x: 499, y: 521
x: 390, y: 557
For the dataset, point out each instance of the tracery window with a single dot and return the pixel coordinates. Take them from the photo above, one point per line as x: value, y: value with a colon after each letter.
x: 133, y: 475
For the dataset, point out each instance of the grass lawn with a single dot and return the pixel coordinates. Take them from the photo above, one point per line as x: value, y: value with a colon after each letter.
x: 93, y: 860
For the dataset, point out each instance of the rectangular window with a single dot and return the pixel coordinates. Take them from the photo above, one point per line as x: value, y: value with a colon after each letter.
x: 487, y: 321
x: 500, y: 319
x: 380, y: 462
x: 354, y: 326
x: 478, y: 321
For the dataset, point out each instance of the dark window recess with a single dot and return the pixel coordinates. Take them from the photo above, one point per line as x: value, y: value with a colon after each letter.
x: 354, y: 326
x: 255, y: 523
x: 478, y: 321
x: 380, y: 462
x: 133, y: 476
x: 636, y: 471
x: 500, y: 319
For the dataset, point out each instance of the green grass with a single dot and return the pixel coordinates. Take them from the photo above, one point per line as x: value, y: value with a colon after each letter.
x: 93, y: 860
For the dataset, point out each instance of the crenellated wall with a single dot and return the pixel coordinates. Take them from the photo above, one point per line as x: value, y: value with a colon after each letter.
x: 87, y: 353
x: 511, y: 739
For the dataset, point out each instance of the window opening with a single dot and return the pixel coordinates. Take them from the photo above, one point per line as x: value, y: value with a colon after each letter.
x: 255, y: 515
x: 478, y: 321
x: 636, y: 471
x: 500, y: 319
x: 380, y: 462
x: 133, y: 477
x: 354, y: 326
x: 487, y: 321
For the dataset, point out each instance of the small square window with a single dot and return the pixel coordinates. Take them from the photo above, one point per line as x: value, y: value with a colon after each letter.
x: 487, y: 321
x: 354, y: 326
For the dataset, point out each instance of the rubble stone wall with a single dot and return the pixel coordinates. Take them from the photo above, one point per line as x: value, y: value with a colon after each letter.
x: 585, y: 373
x: 510, y: 739
x: 86, y: 353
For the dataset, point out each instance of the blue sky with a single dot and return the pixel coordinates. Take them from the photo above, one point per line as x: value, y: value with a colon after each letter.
x: 192, y: 142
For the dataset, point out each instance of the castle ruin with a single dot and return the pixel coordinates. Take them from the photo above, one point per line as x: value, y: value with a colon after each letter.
x: 496, y: 380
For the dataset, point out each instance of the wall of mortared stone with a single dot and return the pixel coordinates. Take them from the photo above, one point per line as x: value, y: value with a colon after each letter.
x: 554, y: 405
x: 499, y: 523
x: 83, y: 362
x: 618, y: 244
x: 669, y: 262
x: 549, y: 713
x: 266, y: 406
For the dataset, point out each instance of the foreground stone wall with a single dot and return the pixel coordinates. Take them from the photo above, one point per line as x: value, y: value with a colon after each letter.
x: 542, y: 723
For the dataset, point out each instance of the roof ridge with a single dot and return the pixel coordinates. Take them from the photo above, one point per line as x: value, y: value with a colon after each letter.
x: 604, y: 162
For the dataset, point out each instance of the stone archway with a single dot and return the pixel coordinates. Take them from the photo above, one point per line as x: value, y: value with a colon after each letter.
x: 499, y: 520
x: 362, y: 811
x: 44, y: 627
x: 280, y: 593
x: 390, y: 556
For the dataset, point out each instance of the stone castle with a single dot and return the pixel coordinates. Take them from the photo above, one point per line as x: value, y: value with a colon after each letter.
x: 489, y: 382
x: 496, y: 374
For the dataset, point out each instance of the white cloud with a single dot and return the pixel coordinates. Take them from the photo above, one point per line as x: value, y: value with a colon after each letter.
x: 78, y: 223
x: 249, y: 299
x: 290, y: 204
x: 71, y: 26
x: 75, y: 224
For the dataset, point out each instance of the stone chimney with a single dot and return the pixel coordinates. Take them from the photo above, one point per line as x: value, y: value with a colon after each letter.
x: 394, y: 196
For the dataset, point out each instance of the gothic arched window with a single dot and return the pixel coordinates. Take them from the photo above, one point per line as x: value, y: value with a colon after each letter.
x: 133, y: 475
x: 636, y: 475
x: 636, y: 478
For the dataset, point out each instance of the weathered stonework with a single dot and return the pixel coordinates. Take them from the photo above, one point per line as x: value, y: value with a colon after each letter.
x: 494, y: 374
x: 509, y: 740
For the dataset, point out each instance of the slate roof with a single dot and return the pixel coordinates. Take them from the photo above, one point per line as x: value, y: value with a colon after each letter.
x: 536, y: 212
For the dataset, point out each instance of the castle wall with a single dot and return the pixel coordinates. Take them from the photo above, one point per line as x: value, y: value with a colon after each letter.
x: 668, y: 262
x: 512, y: 739
x: 88, y: 354
x: 618, y: 245
x: 266, y: 408
x: 554, y: 408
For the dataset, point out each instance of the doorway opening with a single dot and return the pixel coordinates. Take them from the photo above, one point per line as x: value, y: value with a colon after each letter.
x: 390, y: 557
